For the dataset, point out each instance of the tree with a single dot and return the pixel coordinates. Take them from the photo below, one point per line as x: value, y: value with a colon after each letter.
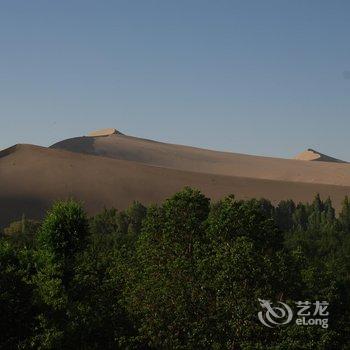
x: 22, y: 233
x: 17, y: 310
x: 61, y: 238
x: 344, y: 215
x: 64, y: 231
x: 163, y: 292
x: 231, y: 219
x: 122, y: 224
x: 105, y: 222
x: 136, y: 213
x: 301, y: 215
x: 181, y: 275
x: 244, y: 261
x: 284, y: 215
x: 98, y: 320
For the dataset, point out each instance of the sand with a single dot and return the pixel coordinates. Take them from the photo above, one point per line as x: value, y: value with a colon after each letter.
x: 312, y: 155
x: 104, y: 132
x: 186, y: 158
x: 33, y: 177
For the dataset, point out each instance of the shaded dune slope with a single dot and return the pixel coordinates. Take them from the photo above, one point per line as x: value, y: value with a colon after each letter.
x: 32, y: 177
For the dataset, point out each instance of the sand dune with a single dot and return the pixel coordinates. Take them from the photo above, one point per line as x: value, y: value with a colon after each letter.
x: 104, y: 132
x: 312, y: 155
x: 122, y: 147
x: 32, y: 177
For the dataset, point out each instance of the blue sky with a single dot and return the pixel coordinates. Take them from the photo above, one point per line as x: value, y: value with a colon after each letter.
x: 259, y: 77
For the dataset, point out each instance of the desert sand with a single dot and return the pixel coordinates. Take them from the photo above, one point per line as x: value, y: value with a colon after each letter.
x: 312, y: 155
x: 104, y: 132
x: 122, y: 147
x: 33, y: 177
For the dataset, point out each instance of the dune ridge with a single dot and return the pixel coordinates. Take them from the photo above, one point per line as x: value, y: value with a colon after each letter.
x: 104, y: 132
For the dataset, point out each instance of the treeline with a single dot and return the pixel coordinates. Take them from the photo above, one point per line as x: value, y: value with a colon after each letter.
x: 186, y: 274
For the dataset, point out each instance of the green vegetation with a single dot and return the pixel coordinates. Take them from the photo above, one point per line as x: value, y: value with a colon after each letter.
x: 186, y: 274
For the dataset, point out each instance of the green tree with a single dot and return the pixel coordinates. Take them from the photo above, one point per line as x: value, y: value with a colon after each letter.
x: 344, y: 215
x: 284, y: 215
x: 22, y: 233
x: 244, y: 261
x: 122, y: 224
x: 98, y: 319
x: 105, y: 222
x: 163, y: 291
x: 301, y: 215
x: 17, y: 310
x: 231, y: 219
x: 136, y: 213
x: 61, y: 238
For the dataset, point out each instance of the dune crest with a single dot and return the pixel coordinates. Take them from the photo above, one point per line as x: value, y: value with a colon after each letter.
x: 312, y: 155
x: 105, y: 132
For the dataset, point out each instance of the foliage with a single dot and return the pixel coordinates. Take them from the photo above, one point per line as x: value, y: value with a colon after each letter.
x: 186, y: 274
x: 163, y: 288
x: 22, y: 233
x: 61, y: 237
x: 17, y: 309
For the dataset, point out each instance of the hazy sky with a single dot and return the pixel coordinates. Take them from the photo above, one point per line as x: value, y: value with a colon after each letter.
x: 260, y: 77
